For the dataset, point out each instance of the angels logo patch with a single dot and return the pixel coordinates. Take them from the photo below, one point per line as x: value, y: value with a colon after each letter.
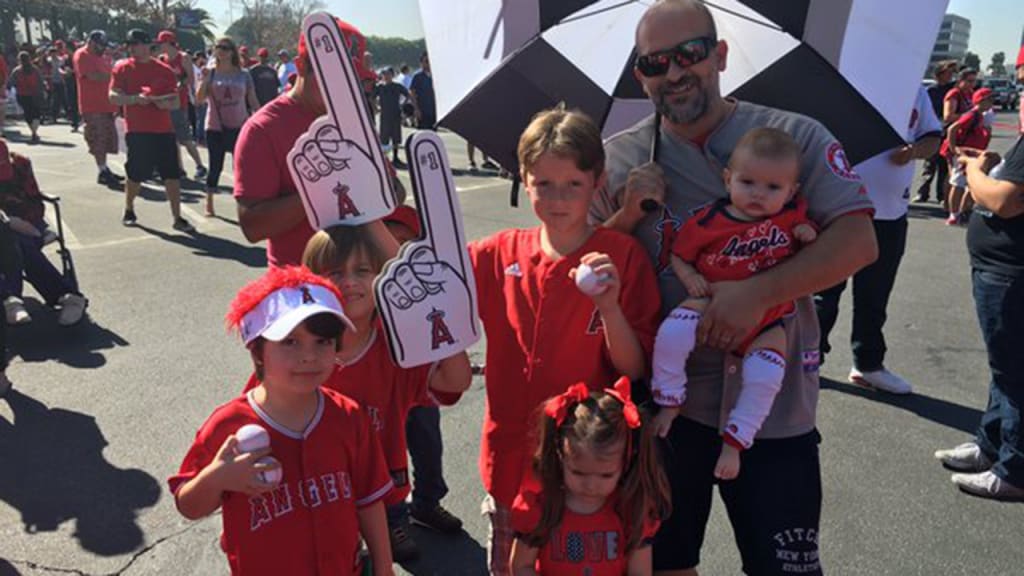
x: 838, y: 163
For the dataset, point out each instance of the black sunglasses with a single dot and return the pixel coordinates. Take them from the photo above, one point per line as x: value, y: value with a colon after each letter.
x: 224, y: 47
x: 685, y: 55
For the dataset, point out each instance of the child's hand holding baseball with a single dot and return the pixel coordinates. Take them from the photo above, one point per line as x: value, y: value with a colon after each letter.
x: 238, y: 471
x: 597, y: 277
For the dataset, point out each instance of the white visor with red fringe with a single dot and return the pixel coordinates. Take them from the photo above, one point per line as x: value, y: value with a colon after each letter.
x: 282, y: 310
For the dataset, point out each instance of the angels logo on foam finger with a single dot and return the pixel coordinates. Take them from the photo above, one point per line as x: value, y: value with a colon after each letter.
x: 838, y: 163
x: 439, y: 331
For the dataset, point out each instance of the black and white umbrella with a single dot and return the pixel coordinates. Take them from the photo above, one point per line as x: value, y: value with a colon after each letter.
x: 854, y: 65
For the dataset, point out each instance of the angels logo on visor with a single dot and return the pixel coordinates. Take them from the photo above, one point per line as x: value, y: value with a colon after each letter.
x: 837, y: 162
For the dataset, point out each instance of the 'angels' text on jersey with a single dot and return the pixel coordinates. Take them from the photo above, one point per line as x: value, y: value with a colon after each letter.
x: 310, y: 493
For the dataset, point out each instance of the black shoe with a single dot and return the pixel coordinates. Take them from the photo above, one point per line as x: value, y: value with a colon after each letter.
x: 129, y: 218
x: 183, y: 225
x: 403, y: 547
x: 488, y: 165
x: 107, y: 178
x: 436, y: 518
x: 398, y: 164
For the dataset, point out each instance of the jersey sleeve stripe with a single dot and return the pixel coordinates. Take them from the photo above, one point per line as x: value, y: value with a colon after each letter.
x: 376, y: 495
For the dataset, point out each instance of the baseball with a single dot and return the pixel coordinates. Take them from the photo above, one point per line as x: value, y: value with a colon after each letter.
x: 589, y: 282
x: 270, y: 476
x: 252, y: 437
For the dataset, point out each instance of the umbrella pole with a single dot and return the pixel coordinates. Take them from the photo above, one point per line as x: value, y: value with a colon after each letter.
x: 513, y: 198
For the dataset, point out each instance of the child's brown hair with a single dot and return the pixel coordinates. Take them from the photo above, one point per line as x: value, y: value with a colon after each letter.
x: 599, y: 421
x: 768, y: 143
x: 566, y: 133
x: 330, y: 249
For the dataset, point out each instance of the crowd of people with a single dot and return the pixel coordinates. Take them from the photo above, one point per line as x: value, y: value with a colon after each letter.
x: 725, y: 295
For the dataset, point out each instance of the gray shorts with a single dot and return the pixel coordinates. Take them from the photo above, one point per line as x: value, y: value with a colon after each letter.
x: 182, y: 131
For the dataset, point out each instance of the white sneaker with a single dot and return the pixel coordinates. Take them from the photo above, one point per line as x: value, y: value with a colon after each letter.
x: 988, y: 485
x: 881, y: 380
x: 966, y: 457
x: 14, y: 308
x: 72, y: 308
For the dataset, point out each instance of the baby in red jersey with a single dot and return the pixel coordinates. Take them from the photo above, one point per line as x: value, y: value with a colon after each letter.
x: 302, y: 511
x: 760, y: 224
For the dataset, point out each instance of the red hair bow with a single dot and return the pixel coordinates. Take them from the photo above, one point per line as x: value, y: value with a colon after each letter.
x: 558, y: 407
x: 621, y: 392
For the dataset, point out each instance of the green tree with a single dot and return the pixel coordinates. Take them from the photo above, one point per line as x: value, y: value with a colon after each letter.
x: 971, y: 60
x: 395, y: 51
x: 998, y: 65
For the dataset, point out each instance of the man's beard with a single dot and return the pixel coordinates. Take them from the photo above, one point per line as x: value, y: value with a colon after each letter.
x: 693, y: 108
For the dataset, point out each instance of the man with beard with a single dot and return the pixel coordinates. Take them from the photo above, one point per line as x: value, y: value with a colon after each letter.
x: 775, y: 505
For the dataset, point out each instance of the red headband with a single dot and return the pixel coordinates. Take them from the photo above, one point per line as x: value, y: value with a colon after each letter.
x: 558, y: 407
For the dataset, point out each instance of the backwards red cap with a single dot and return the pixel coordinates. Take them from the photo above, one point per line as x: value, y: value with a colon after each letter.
x: 1020, y: 57
x: 406, y: 216
x: 980, y: 94
x: 350, y: 34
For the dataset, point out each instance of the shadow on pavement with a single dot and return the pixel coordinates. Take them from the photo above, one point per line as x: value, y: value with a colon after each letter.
x: 446, y: 554
x: 214, y: 247
x: 927, y: 211
x: 7, y: 569
x: 55, y: 472
x: 78, y: 346
x: 939, y: 411
x: 25, y: 139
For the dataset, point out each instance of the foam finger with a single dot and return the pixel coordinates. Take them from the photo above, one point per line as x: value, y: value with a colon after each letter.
x: 407, y: 279
x: 340, y: 87
x: 316, y: 157
x: 305, y: 168
x: 437, y: 200
x: 396, y: 296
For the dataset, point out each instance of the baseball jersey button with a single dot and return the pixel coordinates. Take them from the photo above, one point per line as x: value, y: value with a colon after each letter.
x: 732, y: 369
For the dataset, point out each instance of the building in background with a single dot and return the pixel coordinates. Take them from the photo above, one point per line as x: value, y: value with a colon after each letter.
x: 951, y: 44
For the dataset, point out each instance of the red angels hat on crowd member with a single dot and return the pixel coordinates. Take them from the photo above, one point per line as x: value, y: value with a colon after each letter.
x: 1020, y: 57
x: 6, y: 167
x: 263, y: 53
x: 980, y: 94
x: 165, y: 37
x: 406, y: 216
x: 274, y: 304
x: 350, y: 34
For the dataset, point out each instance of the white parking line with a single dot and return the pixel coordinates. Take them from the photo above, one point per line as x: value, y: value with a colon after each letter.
x: 70, y: 240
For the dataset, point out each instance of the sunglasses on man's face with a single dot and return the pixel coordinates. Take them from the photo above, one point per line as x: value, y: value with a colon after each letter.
x: 224, y: 47
x: 684, y: 55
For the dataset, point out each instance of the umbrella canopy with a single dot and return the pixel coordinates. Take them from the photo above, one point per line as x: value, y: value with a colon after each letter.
x: 852, y: 64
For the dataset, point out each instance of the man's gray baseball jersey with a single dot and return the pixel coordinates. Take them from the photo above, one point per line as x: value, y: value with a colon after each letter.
x: 694, y: 175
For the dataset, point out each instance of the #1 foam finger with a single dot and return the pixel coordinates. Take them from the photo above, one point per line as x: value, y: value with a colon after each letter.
x: 340, y: 87
x: 437, y: 200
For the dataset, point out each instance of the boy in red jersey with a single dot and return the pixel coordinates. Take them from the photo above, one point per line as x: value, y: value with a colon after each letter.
x: 760, y: 224
x: 333, y: 475
x: 544, y: 333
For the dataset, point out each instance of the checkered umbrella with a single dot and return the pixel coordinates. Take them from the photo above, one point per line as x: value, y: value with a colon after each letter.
x: 852, y: 64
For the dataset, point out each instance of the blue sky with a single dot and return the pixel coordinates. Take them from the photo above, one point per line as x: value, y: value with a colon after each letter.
x: 995, y: 24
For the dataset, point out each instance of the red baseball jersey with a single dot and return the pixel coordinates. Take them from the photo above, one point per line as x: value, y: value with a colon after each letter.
x: 308, y: 524
x: 386, y: 392
x: 543, y: 335
x: 723, y: 247
x: 581, y: 544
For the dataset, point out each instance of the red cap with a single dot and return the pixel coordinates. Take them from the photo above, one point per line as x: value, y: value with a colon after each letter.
x: 263, y: 53
x: 1020, y: 57
x: 6, y: 168
x: 406, y: 216
x: 243, y: 50
x: 980, y: 94
x: 58, y: 43
x: 166, y: 36
x: 350, y: 34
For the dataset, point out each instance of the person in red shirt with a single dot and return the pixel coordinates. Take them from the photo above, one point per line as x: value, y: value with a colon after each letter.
x: 543, y: 331
x: 958, y: 99
x: 92, y: 71
x: 181, y: 64
x: 352, y: 257
x: 762, y: 223
x: 269, y: 206
x: 969, y: 131
x: 597, y: 492
x: 148, y: 90
x: 27, y: 81
x: 298, y: 502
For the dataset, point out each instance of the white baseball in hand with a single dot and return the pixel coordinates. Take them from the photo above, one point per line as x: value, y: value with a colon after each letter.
x: 252, y: 437
x: 270, y: 476
x: 589, y: 282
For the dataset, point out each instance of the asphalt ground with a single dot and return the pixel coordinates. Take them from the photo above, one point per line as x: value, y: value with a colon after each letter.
x: 103, y: 412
